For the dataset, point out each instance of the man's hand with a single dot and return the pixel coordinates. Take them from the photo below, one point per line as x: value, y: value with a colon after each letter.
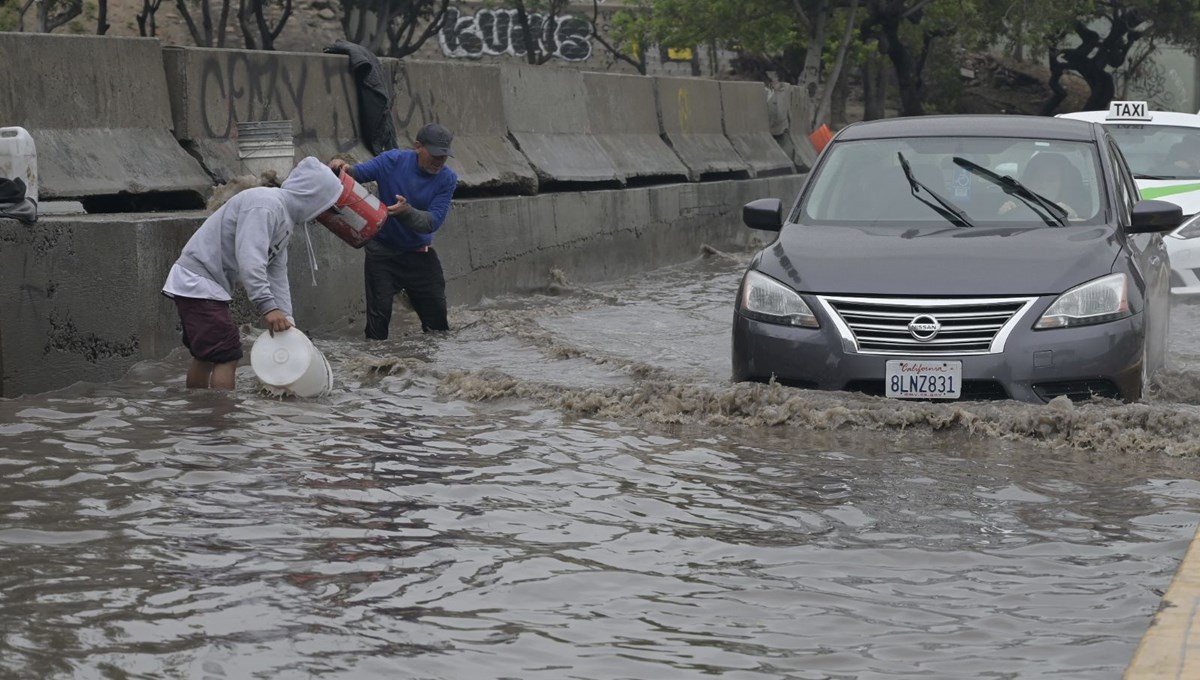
x: 338, y: 164
x: 399, y: 208
x: 276, y: 321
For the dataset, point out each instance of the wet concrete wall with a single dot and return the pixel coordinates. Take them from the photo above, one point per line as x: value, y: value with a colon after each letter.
x: 213, y: 90
x: 80, y: 300
x: 99, y: 114
x: 467, y: 99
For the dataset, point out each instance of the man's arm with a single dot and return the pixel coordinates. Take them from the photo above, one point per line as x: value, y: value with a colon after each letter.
x: 252, y: 243
x: 277, y: 275
x: 367, y: 171
x: 429, y: 221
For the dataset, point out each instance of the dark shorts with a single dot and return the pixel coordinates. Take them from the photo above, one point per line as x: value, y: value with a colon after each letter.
x: 209, y: 332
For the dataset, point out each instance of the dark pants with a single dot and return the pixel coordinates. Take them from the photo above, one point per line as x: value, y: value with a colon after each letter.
x: 419, y: 275
x: 209, y: 332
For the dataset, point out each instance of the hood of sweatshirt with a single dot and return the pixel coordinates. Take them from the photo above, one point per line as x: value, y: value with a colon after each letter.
x: 311, y: 188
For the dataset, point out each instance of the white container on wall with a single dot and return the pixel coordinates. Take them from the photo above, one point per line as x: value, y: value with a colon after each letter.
x: 18, y: 158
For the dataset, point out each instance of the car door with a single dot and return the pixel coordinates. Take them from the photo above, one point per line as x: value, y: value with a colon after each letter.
x: 1150, y: 260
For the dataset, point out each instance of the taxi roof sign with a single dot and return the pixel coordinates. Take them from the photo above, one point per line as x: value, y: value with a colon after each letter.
x: 1128, y: 111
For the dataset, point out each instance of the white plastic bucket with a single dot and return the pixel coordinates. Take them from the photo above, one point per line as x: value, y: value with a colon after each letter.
x: 18, y: 159
x: 288, y: 363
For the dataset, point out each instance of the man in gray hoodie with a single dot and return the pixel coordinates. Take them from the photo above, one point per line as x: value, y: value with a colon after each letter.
x: 245, y: 241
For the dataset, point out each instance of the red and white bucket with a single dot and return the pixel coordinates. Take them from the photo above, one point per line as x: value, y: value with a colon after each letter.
x: 357, y: 215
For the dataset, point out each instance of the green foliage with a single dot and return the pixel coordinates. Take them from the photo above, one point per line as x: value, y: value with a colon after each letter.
x: 757, y: 27
x: 8, y: 15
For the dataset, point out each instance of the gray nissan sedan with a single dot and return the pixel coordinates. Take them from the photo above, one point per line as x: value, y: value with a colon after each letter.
x: 960, y: 257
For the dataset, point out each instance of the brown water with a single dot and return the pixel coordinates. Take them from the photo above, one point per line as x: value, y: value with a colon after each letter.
x: 567, y: 486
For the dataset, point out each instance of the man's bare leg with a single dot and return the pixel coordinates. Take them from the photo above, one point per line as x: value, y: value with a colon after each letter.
x: 222, y: 375
x: 199, y: 374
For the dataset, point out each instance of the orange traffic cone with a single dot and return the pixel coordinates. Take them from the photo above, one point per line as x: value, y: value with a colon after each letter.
x: 820, y: 137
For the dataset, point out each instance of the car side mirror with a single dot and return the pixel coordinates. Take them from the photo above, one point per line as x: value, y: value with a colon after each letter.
x: 765, y: 214
x: 1152, y: 216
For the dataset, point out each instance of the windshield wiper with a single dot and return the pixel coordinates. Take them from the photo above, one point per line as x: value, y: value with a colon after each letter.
x: 948, y: 210
x: 1012, y: 187
x: 1138, y: 175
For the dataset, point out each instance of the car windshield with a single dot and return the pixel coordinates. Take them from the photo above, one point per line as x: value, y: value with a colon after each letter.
x: 1159, y: 151
x: 864, y: 182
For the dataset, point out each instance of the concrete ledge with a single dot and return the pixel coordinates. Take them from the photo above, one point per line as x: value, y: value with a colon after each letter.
x: 98, y: 112
x: 691, y: 119
x: 212, y: 90
x: 1171, y: 648
x: 748, y: 128
x: 795, y: 140
x: 545, y: 110
x: 467, y: 99
x: 624, y: 119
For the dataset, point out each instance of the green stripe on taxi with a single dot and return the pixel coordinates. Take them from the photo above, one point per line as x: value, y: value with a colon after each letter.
x: 1159, y: 192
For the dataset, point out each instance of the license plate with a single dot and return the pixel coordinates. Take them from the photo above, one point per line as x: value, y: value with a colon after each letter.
x: 923, y: 379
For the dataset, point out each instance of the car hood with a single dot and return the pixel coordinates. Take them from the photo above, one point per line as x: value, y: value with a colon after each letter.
x: 938, y: 260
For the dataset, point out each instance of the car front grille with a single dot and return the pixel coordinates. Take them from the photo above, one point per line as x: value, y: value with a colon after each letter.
x: 964, y: 326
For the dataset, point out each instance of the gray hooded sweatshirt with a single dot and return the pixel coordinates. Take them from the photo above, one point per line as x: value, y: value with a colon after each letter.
x: 246, y: 239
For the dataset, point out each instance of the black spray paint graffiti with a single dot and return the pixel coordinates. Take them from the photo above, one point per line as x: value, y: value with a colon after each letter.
x: 496, y: 32
x: 242, y: 88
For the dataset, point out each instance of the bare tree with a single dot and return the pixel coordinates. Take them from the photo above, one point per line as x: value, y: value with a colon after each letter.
x: 638, y: 62
x: 266, y: 32
x: 147, y: 26
x: 102, y: 17
x: 402, y: 25
x: 50, y: 14
x: 402, y: 34
x: 206, y: 34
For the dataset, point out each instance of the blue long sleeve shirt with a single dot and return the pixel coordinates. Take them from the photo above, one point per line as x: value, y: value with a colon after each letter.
x: 397, y: 172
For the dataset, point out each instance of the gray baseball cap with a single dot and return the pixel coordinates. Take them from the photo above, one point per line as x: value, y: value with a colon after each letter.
x: 436, y: 138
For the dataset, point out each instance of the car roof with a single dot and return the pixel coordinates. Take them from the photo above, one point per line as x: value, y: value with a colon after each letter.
x: 1173, y: 118
x: 971, y: 126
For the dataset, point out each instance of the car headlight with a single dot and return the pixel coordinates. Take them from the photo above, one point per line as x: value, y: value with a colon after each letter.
x: 1105, y: 299
x: 765, y: 299
x: 1190, y: 229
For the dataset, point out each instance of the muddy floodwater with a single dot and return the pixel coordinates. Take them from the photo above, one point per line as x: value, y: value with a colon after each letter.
x: 567, y: 486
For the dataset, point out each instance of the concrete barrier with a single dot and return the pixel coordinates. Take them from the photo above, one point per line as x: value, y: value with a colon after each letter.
x: 545, y: 110
x: 57, y: 326
x: 213, y: 90
x: 748, y: 128
x: 690, y: 113
x: 624, y: 119
x: 98, y: 112
x: 467, y: 99
x: 795, y: 141
x: 74, y: 300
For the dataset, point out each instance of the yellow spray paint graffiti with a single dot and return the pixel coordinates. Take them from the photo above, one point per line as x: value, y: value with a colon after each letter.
x: 685, y: 110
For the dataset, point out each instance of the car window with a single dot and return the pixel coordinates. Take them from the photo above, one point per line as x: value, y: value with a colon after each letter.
x: 1127, y: 191
x: 863, y: 182
x: 1165, y: 151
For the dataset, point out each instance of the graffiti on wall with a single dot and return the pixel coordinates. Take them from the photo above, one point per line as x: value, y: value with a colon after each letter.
x: 496, y: 32
x: 236, y: 87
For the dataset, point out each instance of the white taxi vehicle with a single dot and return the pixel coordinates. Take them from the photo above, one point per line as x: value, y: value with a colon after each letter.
x: 1163, y: 151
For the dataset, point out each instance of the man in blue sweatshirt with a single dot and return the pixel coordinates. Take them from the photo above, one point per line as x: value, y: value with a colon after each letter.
x: 400, y: 257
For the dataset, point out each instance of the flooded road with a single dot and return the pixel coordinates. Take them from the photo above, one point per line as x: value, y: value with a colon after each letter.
x: 567, y: 486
